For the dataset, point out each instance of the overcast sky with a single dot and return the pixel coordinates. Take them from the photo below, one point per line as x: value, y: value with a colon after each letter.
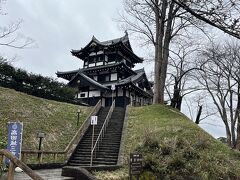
x: 57, y: 26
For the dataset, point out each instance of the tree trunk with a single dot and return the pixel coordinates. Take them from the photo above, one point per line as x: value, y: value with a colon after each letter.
x: 233, y: 137
x: 174, y: 98
x: 238, y: 119
x: 165, y: 49
x: 197, y: 121
x: 157, y: 92
x: 160, y: 22
x: 228, y: 132
x: 156, y: 98
x: 238, y: 133
x: 179, y: 102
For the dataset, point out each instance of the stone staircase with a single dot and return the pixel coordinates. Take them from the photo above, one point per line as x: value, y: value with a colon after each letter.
x: 108, y: 148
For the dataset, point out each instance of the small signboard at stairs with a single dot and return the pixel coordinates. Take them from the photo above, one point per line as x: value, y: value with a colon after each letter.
x: 135, y: 165
x: 94, y: 120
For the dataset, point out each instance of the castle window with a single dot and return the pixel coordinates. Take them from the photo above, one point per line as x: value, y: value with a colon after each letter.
x: 91, y: 65
x: 100, y: 52
x: 99, y: 63
x: 92, y: 54
x: 113, y: 76
x: 107, y: 78
x: 104, y: 78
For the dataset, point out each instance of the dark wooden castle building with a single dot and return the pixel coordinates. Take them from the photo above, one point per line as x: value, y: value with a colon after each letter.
x: 107, y: 74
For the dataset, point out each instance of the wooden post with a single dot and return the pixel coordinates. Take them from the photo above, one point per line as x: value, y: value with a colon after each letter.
x: 40, y: 158
x: 65, y: 156
x: 11, y: 169
x: 23, y: 157
x: 1, y: 159
x: 55, y: 157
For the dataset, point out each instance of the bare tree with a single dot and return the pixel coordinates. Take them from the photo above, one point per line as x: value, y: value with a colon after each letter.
x: 220, y: 78
x: 199, y: 107
x: 223, y: 15
x: 1, y: 6
x: 10, y: 36
x: 181, y: 66
x: 157, y: 22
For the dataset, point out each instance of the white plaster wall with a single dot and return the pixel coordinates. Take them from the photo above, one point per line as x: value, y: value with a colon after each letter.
x: 94, y: 93
x: 106, y: 58
x: 99, y: 63
x: 113, y: 76
x: 127, y: 93
x: 103, y: 102
x: 79, y: 94
x: 100, y: 52
x: 120, y: 92
x: 91, y: 65
x: 92, y: 54
x: 110, y: 94
x: 111, y: 62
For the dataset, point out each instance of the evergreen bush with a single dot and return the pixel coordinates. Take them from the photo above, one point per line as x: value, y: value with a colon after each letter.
x: 34, y: 84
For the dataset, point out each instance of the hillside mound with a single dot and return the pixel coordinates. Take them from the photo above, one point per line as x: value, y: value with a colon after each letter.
x: 56, y: 119
x: 174, y: 147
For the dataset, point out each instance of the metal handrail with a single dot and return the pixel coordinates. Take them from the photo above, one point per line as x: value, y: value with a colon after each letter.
x: 103, y: 130
x: 83, y: 127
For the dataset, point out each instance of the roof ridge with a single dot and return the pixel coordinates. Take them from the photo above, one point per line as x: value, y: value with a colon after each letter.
x: 123, y: 38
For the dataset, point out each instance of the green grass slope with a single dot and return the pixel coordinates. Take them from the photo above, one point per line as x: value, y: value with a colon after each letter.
x: 174, y: 148
x: 56, y: 119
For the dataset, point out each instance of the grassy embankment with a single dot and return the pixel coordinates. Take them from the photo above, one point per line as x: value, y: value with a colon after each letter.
x: 174, y: 148
x: 172, y: 145
x: 56, y: 119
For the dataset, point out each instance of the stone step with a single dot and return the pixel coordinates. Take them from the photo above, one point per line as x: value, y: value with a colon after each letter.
x: 107, y: 144
x: 107, y: 136
x: 102, y: 147
x: 104, y: 141
x: 112, y: 139
x: 94, y: 163
x: 99, y: 153
x: 107, y: 154
x: 77, y: 159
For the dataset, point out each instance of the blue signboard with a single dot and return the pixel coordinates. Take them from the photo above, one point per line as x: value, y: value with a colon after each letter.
x: 14, y: 139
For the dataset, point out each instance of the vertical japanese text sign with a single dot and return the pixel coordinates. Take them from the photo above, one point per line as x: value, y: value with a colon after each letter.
x: 135, y: 168
x: 14, y: 139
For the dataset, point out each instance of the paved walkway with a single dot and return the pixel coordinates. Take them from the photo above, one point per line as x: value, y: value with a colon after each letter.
x: 47, y: 174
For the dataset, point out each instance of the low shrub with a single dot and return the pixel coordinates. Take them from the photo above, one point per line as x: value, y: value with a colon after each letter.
x: 175, y: 158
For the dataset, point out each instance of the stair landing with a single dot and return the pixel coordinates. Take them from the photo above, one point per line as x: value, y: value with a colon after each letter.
x: 48, y: 174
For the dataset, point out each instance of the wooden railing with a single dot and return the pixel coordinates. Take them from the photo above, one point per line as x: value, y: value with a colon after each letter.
x: 55, y: 155
x: 14, y: 162
x: 50, y: 155
x: 102, y: 131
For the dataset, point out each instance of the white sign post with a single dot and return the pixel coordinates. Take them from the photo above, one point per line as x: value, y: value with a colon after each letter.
x: 93, y: 123
x: 113, y: 87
